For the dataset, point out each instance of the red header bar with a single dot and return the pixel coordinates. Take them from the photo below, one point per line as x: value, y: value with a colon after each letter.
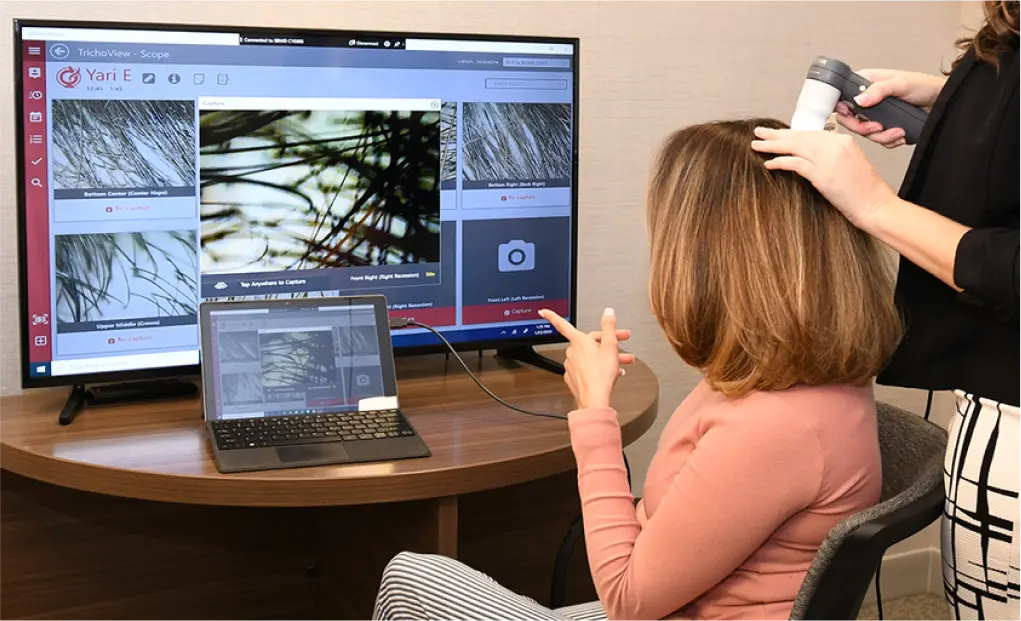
x: 37, y: 202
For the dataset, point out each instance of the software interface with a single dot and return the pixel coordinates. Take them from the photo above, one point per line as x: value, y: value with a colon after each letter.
x: 300, y: 361
x: 165, y: 168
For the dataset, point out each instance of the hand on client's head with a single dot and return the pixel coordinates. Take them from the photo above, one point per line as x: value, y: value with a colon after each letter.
x: 593, y: 360
x: 834, y: 164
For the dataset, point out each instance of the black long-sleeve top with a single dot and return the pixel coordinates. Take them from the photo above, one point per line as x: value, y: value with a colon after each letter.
x: 966, y: 167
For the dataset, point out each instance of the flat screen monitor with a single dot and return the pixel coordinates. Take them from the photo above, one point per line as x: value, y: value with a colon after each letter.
x: 160, y: 165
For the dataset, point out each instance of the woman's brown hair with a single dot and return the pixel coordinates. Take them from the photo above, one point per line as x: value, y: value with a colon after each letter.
x: 998, y: 33
x: 755, y: 278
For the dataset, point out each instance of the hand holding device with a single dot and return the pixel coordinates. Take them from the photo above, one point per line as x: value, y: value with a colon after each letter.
x: 830, y: 82
x: 920, y: 89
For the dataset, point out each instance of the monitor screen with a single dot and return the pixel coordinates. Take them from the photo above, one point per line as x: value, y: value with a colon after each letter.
x: 162, y: 166
x: 308, y: 358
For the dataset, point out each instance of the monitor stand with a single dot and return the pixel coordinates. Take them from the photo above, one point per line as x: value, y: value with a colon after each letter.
x: 122, y: 393
x: 528, y: 355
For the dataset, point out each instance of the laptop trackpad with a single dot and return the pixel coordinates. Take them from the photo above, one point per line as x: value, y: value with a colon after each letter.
x: 312, y: 454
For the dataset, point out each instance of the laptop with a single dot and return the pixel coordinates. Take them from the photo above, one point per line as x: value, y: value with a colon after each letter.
x: 302, y: 382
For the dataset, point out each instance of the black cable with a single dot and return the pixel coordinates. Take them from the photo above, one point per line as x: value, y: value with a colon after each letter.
x: 928, y: 405
x: 402, y: 323
x: 627, y: 467
x: 879, y: 595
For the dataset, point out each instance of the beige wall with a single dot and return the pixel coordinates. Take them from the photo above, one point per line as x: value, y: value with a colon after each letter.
x: 647, y: 68
x: 971, y: 16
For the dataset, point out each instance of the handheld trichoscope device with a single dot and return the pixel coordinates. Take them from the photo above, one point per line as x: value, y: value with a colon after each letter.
x: 830, y: 81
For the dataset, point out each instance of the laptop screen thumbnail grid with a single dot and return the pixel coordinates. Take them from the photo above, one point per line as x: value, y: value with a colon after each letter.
x: 294, y: 360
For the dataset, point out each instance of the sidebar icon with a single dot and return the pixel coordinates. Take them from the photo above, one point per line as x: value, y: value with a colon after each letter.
x: 37, y: 204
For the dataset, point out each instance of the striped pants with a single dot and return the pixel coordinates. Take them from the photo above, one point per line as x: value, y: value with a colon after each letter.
x: 980, y: 519
x: 426, y: 586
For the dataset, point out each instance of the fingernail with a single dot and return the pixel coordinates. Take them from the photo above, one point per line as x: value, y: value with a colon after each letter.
x: 863, y: 99
x: 608, y: 312
x: 623, y: 372
x: 542, y: 313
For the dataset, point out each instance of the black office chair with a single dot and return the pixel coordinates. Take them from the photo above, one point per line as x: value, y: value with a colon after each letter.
x: 912, y: 498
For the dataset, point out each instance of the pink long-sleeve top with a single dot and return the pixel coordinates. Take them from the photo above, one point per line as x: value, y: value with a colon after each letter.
x: 737, y: 499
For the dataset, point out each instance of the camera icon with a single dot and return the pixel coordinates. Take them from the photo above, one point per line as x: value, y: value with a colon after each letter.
x: 516, y: 256
x: 362, y: 380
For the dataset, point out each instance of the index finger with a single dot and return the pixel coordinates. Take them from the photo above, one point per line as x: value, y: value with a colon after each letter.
x: 770, y: 133
x: 789, y: 142
x: 769, y: 140
x: 561, y: 325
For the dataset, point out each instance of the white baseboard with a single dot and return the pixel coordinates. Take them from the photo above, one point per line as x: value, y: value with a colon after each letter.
x: 909, y: 573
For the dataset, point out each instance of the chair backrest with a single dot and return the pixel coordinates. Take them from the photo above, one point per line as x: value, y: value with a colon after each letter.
x: 912, y: 454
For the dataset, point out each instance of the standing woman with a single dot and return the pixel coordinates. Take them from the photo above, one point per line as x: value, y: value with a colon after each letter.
x: 955, y: 225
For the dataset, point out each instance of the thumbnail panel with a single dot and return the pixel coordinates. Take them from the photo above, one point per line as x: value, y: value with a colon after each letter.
x: 364, y: 381
x: 358, y: 341
x: 514, y: 268
x: 511, y: 144
x: 300, y: 189
x: 149, y: 277
x: 448, y: 145
x: 122, y: 144
x: 241, y: 388
x: 238, y: 346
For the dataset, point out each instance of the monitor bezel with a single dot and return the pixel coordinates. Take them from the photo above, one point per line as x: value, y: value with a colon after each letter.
x: 29, y: 381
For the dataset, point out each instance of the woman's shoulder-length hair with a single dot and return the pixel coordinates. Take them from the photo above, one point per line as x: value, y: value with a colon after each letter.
x: 755, y: 278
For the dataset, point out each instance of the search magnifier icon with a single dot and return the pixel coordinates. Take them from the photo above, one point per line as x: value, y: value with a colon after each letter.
x: 37, y: 182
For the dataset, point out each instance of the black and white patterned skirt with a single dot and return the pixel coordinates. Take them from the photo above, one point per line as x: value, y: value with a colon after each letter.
x: 980, y: 520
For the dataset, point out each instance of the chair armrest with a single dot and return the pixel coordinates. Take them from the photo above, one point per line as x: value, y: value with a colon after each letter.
x: 558, y: 587
x: 901, y: 523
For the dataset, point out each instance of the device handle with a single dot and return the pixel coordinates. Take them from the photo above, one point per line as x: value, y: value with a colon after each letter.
x: 890, y: 112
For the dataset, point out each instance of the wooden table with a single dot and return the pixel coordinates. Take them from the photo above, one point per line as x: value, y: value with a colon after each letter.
x: 123, y: 514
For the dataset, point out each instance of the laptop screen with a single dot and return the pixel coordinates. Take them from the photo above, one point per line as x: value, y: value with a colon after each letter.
x: 296, y: 359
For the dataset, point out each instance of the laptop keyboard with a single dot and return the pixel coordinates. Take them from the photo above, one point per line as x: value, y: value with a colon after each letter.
x: 310, y: 429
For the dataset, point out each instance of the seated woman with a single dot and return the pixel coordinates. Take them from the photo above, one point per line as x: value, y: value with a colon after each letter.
x: 787, y: 311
